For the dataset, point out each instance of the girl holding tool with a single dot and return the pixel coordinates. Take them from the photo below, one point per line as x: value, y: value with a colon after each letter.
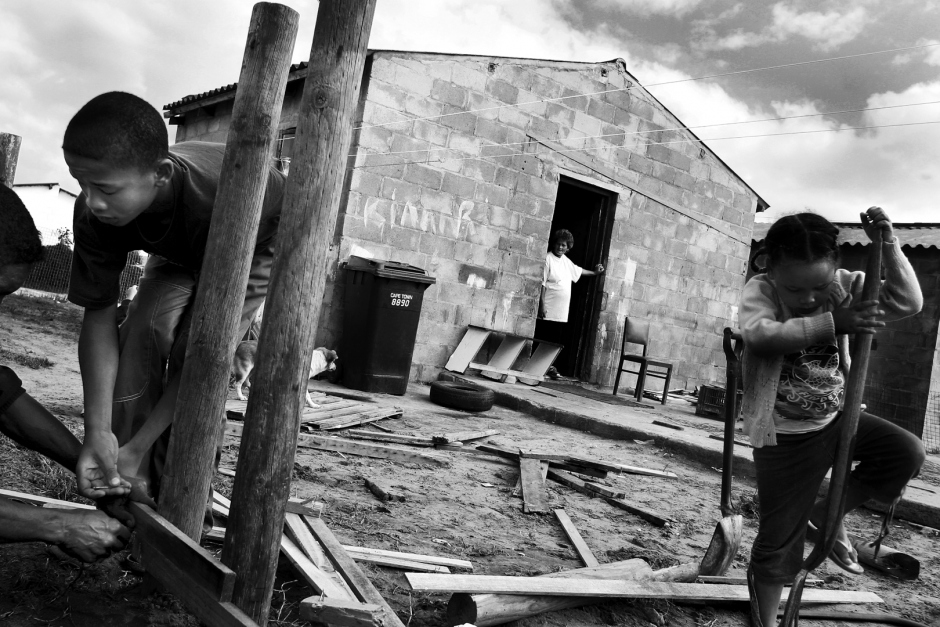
x: 795, y: 319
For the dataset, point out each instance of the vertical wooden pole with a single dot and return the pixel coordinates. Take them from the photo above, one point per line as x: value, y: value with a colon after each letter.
x: 224, y: 276
x: 292, y: 311
x: 9, y: 154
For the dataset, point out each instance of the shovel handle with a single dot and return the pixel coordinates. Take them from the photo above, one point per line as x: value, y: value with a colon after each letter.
x: 732, y: 350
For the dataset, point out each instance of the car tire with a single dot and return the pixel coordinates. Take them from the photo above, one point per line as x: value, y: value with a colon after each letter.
x: 461, y: 395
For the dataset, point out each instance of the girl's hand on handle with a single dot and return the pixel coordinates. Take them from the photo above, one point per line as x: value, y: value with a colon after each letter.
x: 862, y: 317
x: 599, y: 268
x: 875, y: 219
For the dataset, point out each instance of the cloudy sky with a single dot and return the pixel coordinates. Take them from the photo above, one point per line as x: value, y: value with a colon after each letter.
x: 57, y: 54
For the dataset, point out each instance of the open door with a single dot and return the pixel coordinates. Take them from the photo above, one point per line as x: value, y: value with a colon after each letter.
x: 588, y: 212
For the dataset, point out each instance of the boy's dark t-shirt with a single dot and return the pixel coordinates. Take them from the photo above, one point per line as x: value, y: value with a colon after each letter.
x: 177, y: 231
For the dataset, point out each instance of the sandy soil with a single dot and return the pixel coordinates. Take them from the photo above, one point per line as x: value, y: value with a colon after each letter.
x: 464, y: 510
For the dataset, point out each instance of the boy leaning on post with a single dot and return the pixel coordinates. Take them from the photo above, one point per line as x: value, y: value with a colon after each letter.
x: 140, y: 194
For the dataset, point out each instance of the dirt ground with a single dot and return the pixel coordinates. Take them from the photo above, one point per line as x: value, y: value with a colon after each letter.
x: 464, y: 510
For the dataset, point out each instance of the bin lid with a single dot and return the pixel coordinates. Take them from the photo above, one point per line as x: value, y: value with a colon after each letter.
x: 389, y: 269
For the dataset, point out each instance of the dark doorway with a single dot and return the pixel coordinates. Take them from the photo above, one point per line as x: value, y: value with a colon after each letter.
x: 588, y: 212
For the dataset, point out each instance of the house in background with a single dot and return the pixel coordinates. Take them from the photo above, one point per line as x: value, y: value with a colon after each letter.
x: 464, y: 165
x: 903, y: 382
x: 50, y: 206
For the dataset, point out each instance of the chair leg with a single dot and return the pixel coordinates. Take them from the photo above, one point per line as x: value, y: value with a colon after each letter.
x: 640, y: 383
x: 617, y: 380
x: 666, y: 384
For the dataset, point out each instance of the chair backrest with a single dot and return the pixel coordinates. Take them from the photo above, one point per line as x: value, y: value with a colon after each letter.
x: 635, y: 331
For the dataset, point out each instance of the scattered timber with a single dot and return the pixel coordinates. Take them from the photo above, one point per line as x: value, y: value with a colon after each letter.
x: 620, y: 589
x: 382, y: 491
x: 534, y: 497
x: 341, y: 613
x: 353, y: 447
x: 580, y: 546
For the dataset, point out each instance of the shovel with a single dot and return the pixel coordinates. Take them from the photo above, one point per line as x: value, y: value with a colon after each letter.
x: 838, y: 483
x: 727, y: 537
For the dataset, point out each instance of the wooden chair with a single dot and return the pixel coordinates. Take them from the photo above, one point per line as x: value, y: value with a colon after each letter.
x: 638, y: 332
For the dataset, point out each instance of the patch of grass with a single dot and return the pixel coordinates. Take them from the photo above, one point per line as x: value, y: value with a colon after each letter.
x: 62, y: 318
x: 25, y: 359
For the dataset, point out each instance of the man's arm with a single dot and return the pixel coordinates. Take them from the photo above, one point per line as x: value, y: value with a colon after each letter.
x: 96, y: 469
x: 28, y: 423
x: 87, y: 534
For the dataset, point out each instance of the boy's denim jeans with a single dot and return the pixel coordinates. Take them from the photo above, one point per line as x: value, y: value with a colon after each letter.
x: 153, y: 341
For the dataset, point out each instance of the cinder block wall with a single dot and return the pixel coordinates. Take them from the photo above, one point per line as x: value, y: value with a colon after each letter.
x: 899, y: 372
x: 481, y: 225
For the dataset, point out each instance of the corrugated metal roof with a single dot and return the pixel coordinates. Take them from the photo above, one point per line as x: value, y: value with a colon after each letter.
x: 227, y: 88
x: 913, y: 234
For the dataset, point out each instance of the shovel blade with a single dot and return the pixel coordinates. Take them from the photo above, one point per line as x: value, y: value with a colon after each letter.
x: 724, y: 546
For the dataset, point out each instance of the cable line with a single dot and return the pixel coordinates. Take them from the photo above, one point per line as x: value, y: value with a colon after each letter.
x: 630, y: 86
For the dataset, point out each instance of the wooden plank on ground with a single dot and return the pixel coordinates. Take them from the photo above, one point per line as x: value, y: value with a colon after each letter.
x: 341, y: 613
x: 649, y: 472
x: 301, y: 535
x: 353, y: 447
x: 206, y: 572
x: 580, y: 546
x: 392, y: 438
x: 362, y: 419
x: 534, y: 497
x: 466, y: 436
x: 395, y: 562
x: 599, y: 588
x: 345, y: 566
x: 180, y: 582
x: 466, y: 350
x: 451, y: 562
x: 651, y: 516
x: 318, y: 580
x: 670, y: 425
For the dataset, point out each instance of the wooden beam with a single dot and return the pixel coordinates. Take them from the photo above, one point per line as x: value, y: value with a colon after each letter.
x: 293, y: 303
x: 534, y: 497
x: 344, y: 564
x: 223, y: 280
x: 363, y: 418
x: 9, y: 155
x: 466, y: 436
x: 496, y: 584
x: 182, y: 553
x: 396, y: 562
x: 352, y: 447
x: 180, y: 582
x: 392, y: 438
x: 651, y: 516
x: 356, y: 551
x: 484, y: 610
x: 580, y: 546
x: 341, y: 613
x: 320, y: 582
x: 42, y: 500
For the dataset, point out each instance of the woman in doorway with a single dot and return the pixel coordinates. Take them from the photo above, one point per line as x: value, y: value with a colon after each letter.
x: 560, y: 272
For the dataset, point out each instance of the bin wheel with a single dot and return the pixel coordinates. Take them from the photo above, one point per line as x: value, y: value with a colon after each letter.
x: 459, y: 395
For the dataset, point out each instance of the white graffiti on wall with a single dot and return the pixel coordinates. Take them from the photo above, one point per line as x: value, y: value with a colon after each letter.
x: 382, y: 212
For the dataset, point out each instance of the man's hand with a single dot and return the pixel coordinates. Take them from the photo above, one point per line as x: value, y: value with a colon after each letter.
x: 875, y: 219
x: 96, y: 470
x: 91, y: 535
x: 862, y: 317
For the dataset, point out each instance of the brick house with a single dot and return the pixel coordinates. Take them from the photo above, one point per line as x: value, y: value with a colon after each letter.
x: 903, y: 383
x: 452, y: 172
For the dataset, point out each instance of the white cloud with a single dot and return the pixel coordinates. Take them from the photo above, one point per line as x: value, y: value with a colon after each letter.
x: 676, y: 8
x: 829, y: 30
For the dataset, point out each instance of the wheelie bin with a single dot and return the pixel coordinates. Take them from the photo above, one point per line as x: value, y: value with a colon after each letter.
x: 382, y: 307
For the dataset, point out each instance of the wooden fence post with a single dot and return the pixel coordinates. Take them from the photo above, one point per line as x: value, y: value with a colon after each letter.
x: 223, y: 280
x: 9, y: 154
x: 292, y: 310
